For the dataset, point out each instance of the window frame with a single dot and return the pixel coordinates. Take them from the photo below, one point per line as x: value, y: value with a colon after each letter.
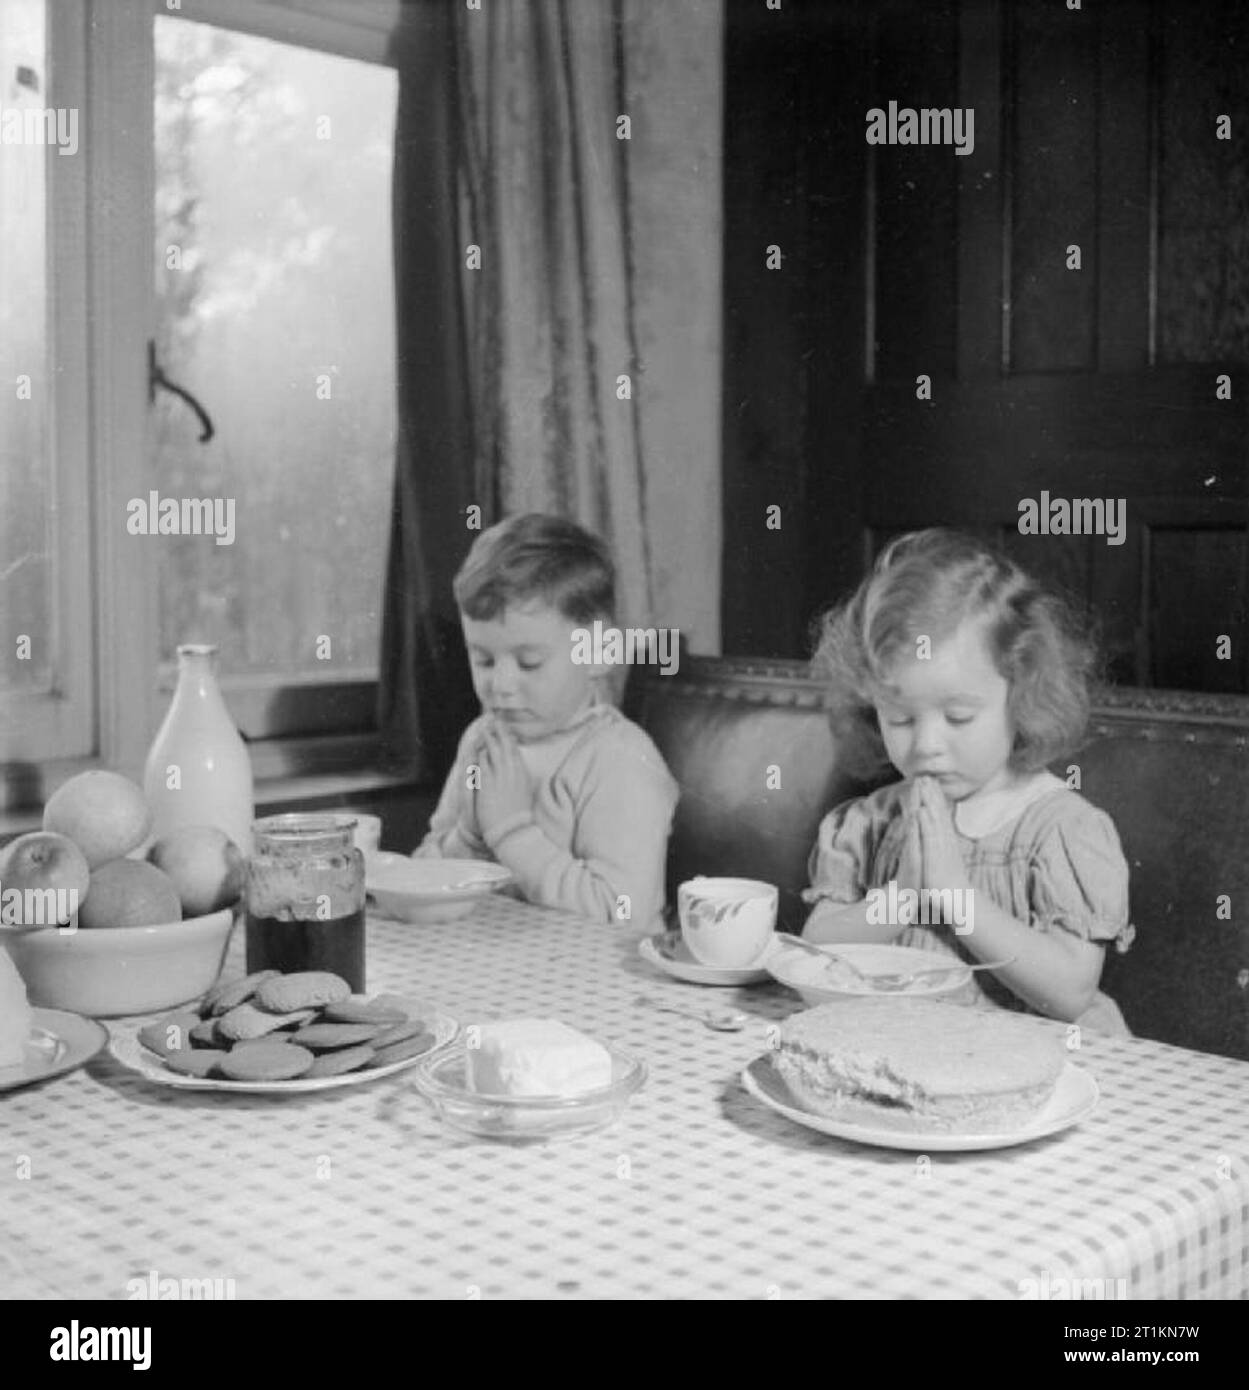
x: 59, y: 720
x: 101, y: 265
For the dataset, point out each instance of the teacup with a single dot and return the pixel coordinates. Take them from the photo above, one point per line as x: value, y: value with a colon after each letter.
x: 368, y: 832
x: 727, y: 922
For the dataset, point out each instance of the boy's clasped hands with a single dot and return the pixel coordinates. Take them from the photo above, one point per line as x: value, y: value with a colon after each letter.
x: 504, y: 800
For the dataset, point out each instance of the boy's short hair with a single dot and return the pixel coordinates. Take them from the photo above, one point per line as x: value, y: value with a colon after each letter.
x: 536, y: 555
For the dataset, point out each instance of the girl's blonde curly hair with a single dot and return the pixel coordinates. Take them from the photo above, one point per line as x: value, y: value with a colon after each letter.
x: 928, y: 583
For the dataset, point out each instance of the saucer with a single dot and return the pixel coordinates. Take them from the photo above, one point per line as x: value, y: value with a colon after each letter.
x: 60, y: 1043
x: 668, y: 952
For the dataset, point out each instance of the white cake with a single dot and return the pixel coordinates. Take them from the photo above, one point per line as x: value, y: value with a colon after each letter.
x: 536, y: 1057
x: 15, y: 1014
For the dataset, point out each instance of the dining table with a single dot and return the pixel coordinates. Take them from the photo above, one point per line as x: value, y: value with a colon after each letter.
x: 696, y: 1190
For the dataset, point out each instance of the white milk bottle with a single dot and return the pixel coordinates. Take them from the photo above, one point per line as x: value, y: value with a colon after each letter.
x: 198, y: 770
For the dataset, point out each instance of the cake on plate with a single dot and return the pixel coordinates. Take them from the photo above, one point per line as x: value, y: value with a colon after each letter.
x: 16, y: 1019
x: 919, y: 1064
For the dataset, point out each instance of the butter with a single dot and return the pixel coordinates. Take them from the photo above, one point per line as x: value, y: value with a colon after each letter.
x: 536, y: 1057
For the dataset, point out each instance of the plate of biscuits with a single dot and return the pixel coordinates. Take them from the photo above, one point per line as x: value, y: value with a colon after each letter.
x: 284, y: 1034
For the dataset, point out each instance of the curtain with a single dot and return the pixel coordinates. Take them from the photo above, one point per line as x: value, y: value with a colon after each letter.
x: 552, y: 327
x: 424, y: 692
x: 559, y: 310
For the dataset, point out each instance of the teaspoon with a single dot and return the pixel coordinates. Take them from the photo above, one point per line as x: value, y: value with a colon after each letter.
x: 722, y: 1020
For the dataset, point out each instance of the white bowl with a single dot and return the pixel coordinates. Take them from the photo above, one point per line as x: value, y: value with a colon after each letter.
x: 108, y: 972
x: 429, y: 890
x: 817, y: 983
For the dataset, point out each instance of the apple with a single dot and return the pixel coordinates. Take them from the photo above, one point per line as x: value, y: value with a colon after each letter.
x: 129, y: 893
x: 41, y: 862
x: 105, y: 814
x: 206, y: 867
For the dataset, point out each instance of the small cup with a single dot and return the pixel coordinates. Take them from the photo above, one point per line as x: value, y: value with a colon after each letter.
x: 368, y: 833
x: 727, y: 922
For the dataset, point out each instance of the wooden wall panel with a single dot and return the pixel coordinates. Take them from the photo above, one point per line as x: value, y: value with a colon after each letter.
x: 915, y: 198
x: 982, y: 195
x: 1093, y: 127
x: 1124, y: 150
x: 764, y: 422
x: 1053, y: 66
x: 1196, y: 587
x: 1203, y: 246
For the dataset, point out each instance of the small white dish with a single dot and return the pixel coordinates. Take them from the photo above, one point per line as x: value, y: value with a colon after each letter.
x: 818, y: 983
x: 429, y: 890
x: 667, y: 951
x: 131, y: 1053
x: 60, y: 1042
x: 442, y: 1081
x: 1074, y: 1099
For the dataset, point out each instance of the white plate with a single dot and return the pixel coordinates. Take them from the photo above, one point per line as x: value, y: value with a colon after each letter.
x: 59, y: 1042
x: 1074, y: 1099
x: 801, y: 971
x: 128, y: 1050
x: 667, y: 951
x: 429, y: 890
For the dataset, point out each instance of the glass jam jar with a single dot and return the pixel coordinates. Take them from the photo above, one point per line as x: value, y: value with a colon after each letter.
x: 305, y: 896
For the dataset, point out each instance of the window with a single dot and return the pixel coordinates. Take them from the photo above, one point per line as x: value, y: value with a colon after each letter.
x: 275, y: 306
x: 256, y: 139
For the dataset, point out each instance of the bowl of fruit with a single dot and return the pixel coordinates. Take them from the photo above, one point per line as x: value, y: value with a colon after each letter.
x: 99, y: 923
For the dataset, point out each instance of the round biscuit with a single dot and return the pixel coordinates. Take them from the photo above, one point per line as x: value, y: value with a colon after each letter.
x: 205, y: 1034
x: 400, y: 1051
x: 336, y: 1063
x: 229, y: 994
x: 202, y: 1061
x: 305, y: 989
x: 264, y: 1060
x: 247, y: 1022
x: 173, y: 1033
x: 325, y: 1037
x: 400, y: 1032
x: 363, y: 1011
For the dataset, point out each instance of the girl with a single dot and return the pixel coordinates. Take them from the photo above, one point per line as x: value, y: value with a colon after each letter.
x: 959, y: 670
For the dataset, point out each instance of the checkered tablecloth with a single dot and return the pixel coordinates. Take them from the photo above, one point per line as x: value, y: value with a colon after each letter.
x: 697, y: 1191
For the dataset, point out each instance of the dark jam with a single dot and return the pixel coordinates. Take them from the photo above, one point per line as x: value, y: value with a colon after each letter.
x: 336, y: 945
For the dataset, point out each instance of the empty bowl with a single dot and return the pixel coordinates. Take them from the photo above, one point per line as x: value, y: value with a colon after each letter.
x: 429, y: 890
x: 819, y: 983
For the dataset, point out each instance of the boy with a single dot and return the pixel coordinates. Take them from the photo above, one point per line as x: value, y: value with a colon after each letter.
x: 551, y: 780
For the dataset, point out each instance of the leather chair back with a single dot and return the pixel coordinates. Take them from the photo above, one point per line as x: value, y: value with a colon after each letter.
x: 750, y: 745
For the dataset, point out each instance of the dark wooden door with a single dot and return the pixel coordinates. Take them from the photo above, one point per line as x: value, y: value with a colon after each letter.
x: 1095, y: 129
